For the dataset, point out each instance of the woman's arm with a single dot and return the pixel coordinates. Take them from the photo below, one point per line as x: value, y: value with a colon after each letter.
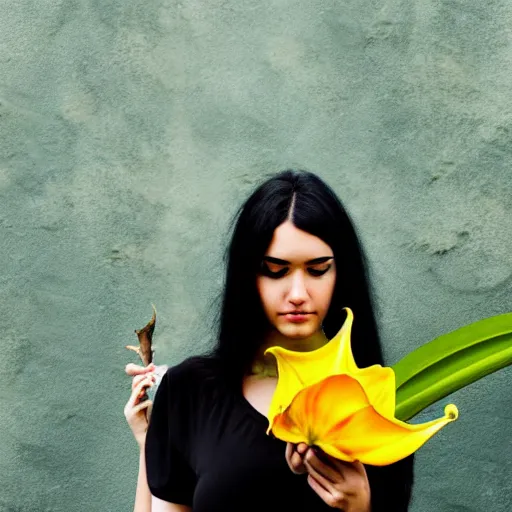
x: 137, y: 414
x: 164, y: 506
x: 142, y: 494
x: 144, y: 501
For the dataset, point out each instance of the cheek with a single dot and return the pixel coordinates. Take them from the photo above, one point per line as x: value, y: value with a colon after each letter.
x: 267, y: 293
x: 325, y: 293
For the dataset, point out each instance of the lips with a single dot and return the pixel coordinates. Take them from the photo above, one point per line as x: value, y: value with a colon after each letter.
x: 297, y: 316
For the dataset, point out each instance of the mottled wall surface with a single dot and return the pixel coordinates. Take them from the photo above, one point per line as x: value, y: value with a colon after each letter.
x: 130, y: 131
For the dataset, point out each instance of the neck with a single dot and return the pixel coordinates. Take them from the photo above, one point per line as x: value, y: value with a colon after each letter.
x: 266, y: 366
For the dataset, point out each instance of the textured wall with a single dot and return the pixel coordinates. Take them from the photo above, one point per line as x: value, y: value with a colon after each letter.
x: 130, y: 131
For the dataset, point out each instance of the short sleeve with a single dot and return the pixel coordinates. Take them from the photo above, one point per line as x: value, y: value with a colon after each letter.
x: 169, y: 475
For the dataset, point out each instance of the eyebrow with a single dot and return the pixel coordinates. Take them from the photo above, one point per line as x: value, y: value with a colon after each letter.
x: 314, y: 261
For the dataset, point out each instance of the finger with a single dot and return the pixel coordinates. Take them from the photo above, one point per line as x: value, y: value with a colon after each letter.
x: 290, y: 448
x: 131, y: 413
x: 354, y: 474
x: 136, y: 369
x: 302, y: 448
x: 358, y: 467
x: 315, y: 465
x: 328, y: 460
x: 136, y: 393
x: 294, y: 460
x: 325, y: 482
x: 334, y: 500
x: 348, y: 469
x: 297, y: 464
x: 133, y: 369
x: 138, y: 378
x: 143, y: 405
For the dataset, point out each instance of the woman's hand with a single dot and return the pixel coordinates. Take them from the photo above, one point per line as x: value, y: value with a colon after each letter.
x: 342, y: 485
x: 136, y: 412
x: 295, y: 457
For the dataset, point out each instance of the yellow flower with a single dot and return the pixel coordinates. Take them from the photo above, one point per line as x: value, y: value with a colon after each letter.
x: 322, y: 398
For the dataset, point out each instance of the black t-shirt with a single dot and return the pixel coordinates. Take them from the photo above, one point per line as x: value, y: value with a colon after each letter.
x: 207, y: 448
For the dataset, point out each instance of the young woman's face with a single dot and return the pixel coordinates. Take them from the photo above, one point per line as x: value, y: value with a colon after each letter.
x: 296, y: 281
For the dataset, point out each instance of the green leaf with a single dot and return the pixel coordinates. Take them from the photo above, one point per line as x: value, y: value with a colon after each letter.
x: 451, y: 362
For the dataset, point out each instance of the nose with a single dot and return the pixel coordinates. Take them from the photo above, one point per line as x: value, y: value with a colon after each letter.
x: 298, y: 292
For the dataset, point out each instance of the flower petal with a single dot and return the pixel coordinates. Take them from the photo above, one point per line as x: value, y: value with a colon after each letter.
x: 298, y: 370
x: 372, y: 439
x: 314, y: 411
x: 336, y: 415
x: 378, y: 383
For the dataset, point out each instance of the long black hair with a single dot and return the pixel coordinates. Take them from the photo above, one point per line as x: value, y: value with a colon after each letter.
x: 312, y: 206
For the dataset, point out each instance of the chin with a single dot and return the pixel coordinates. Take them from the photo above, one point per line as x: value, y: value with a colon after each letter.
x: 298, y: 332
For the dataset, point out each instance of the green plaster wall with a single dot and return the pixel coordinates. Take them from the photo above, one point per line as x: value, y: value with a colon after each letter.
x: 131, y: 130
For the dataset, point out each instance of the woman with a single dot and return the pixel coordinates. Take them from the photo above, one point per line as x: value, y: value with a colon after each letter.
x: 293, y: 264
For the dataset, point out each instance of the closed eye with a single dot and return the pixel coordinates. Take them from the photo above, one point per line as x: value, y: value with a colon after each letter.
x: 318, y: 272
x: 265, y: 270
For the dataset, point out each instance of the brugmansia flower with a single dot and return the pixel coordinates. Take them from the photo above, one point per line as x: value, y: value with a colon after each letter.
x: 323, y: 399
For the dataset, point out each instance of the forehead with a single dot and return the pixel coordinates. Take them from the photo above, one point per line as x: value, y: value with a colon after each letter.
x: 292, y: 244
